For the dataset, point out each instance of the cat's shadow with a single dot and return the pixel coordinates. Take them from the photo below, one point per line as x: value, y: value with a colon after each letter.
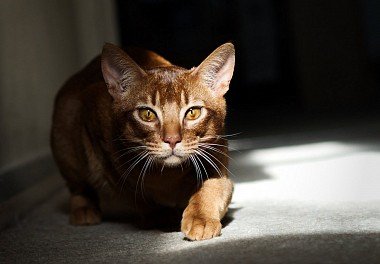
x: 171, y: 225
x: 229, y: 217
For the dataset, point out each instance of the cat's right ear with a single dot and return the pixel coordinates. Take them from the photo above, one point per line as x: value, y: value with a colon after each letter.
x: 217, y: 69
x: 120, y: 72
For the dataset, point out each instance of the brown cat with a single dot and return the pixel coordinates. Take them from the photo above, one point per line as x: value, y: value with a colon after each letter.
x: 148, y: 134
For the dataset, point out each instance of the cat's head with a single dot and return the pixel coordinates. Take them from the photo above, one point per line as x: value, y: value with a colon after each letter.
x: 168, y: 110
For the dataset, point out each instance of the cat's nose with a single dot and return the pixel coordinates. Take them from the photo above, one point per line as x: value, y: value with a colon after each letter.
x: 172, y: 140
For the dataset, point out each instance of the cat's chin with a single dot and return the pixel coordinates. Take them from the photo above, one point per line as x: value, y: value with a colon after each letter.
x: 172, y: 161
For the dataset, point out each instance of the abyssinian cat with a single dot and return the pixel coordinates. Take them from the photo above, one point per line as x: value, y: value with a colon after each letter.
x: 136, y: 128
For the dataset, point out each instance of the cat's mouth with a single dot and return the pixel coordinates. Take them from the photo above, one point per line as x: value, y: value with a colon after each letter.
x: 168, y: 156
x: 173, y: 160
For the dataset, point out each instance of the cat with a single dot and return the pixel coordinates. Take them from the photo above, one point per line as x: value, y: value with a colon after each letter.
x: 135, y: 128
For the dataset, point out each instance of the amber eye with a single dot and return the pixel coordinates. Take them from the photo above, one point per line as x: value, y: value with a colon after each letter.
x: 193, y: 113
x: 147, y: 115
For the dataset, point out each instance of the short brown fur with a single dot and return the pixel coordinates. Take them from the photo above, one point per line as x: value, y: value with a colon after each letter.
x: 96, y: 125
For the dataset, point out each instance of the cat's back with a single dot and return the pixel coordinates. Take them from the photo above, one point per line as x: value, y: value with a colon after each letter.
x: 68, y: 101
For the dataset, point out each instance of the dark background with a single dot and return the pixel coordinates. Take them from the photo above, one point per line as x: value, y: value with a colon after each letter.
x: 299, y: 63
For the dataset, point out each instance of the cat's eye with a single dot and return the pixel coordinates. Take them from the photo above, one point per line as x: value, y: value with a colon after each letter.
x: 193, y: 113
x: 147, y: 115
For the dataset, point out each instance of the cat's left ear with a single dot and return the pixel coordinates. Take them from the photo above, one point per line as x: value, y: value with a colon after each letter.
x: 120, y: 71
x: 217, y: 69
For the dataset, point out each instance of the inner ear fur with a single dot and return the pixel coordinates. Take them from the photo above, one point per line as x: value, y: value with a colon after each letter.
x: 120, y: 72
x: 217, y: 69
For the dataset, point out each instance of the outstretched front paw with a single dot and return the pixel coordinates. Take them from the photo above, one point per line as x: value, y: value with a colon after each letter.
x: 200, y: 228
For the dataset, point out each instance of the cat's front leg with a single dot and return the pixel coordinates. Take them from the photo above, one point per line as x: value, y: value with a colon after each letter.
x: 206, y: 208
x: 84, y: 210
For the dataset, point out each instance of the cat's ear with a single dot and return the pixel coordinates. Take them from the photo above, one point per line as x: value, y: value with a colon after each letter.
x: 217, y: 69
x: 120, y: 72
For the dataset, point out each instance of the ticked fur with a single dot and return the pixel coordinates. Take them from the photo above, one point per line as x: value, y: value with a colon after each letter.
x: 135, y: 128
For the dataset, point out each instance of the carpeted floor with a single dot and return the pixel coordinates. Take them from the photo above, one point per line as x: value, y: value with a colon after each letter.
x: 310, y: 203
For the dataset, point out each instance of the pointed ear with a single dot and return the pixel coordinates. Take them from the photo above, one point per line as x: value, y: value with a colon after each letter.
x: 217, y: 69
x: 120, y: 72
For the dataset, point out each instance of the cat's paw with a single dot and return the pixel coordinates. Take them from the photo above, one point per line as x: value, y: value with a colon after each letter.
x: 200, y: 228
x: 85, y: 216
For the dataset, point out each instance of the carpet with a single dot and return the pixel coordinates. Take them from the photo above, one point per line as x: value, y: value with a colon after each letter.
x: 306, y: 203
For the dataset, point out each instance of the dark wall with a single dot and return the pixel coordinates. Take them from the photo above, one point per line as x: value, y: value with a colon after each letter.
x: 294, y: 57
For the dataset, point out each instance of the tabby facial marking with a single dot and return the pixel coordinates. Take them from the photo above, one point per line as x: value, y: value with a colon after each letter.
x: 169, y: 109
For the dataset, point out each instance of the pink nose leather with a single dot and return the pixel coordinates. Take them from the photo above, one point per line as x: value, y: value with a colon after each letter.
x: 172, y: 140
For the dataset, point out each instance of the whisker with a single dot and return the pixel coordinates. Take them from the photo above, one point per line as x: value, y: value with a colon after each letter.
x: 200, y: 161
x: 141, y: 176
x: 220, y: 145
x: 211, y: 162
x: 202, y: 145
x: 226, y: 136
x: 200, y: 171
x: 128, y: 150
x: 141, y: 153
x: 125, y: 175
x: 163, y: 166
x: 132, y: 140
x: 117, y: 138
x: 230, y: 135
x: 150, y: 165
x: 214, y: 144
x: 196, y: 166
x: 221, y: 163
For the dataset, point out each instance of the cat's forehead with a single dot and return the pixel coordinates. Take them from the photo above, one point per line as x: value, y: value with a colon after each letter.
x: 168, y: 85
x: 167, y: 74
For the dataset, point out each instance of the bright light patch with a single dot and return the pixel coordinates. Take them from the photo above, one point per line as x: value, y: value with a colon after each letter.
x: 328, y: 171
x: 299, y: 153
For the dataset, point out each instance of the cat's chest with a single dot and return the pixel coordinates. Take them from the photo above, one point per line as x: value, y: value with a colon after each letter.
x: 167, y: 189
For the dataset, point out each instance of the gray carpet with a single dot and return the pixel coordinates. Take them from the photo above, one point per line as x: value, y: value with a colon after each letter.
x: 311, y: 203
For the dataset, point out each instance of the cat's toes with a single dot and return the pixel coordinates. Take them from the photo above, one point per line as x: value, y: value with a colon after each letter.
x: 199, y: 228
x: 85, y: 216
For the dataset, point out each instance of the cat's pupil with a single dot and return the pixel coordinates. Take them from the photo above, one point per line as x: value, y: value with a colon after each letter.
x: 148, y: 113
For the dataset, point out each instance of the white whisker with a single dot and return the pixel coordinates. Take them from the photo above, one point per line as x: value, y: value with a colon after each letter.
x: 140, y: 179
x: 220, y: 136
x: 197, y: 170
x: 204, y: 145
x: 221, y: 163
x: 135, y: 157
x: 229, y: 135
x: 131, y: 167
x: 200, y: 161
x: 210, y: 161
